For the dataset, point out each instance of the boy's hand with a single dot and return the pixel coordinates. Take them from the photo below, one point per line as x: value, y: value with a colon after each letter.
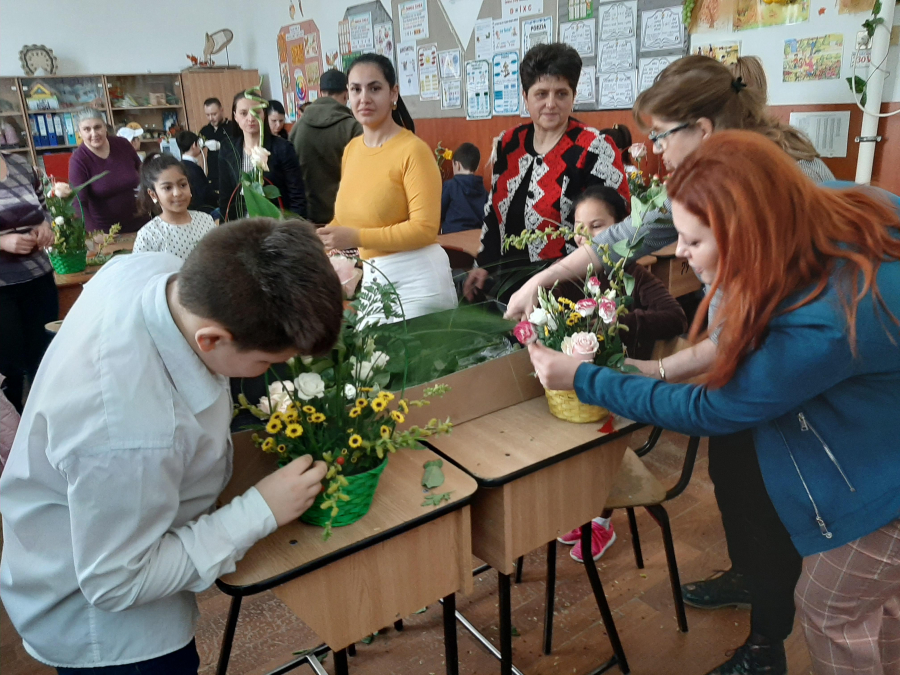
x: 291, y: 490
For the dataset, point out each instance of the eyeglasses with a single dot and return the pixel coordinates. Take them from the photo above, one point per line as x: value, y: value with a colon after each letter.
x: 657, y: 139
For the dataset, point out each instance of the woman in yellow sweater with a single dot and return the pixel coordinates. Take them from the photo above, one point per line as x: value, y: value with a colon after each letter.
x: 389, y: 201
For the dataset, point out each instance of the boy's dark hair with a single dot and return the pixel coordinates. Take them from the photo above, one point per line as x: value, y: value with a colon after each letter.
x: 185, y: 140
x: 621, y: 136
x: 469, y: 156
x: 553, y: 60
x: 150, y: 171
x: 280, y: 292
x: 276, y: 107
x: 400, y: 114
x: 607, y: 195
x: 212, y: 101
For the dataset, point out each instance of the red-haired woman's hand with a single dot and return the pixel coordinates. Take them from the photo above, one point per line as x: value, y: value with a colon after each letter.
x: 554, y: 369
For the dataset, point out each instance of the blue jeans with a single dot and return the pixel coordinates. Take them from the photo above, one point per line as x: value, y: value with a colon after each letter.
x: 185, y: 661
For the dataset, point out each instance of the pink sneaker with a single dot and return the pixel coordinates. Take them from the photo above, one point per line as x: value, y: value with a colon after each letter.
x: 601, y: 539
x: 570, y: 538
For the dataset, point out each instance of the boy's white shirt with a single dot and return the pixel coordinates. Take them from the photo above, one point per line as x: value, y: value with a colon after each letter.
x: 108, y: 495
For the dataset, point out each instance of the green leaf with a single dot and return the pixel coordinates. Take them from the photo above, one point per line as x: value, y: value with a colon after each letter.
x: 620, y: 248
x: 514, y: 632
x: 368, y: 639
x: 629, y: 283
x: 433, y: 476
x: 616, y: 360
x: 437, y: 499
x: 421, y: 611
x: 630, y: 369
x: 271, y: 192
x: 259, y: 206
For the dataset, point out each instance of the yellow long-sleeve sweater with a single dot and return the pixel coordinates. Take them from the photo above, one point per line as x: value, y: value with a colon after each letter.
x: 391, y: 194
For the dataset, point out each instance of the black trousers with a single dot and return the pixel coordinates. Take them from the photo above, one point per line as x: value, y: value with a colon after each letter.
x: 758, y: 543
x: 185, y: 661
x: 24, y: 309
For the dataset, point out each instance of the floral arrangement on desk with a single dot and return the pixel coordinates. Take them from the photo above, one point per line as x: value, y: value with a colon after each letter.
x: 336, y: 409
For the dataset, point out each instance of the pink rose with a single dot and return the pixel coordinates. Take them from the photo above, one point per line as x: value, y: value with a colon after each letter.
x: 637, y: 151
x: 593, y: 285
x: 583, y: 346
x: 608, y: 310
x: 586, y: 307
x: 62, y: 190
x: 525, y: 333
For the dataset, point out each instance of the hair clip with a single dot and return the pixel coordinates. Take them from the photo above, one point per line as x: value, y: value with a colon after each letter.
x: 738, y: 84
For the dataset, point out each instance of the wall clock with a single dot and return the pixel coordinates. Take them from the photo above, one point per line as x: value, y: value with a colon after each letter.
x: 38, y: 57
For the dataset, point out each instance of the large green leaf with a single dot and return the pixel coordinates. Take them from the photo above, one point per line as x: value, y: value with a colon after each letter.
x: 258, y: 205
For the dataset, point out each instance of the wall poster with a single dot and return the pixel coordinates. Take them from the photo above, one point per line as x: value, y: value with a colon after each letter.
x: 478, y: 90
x: 506, y: 83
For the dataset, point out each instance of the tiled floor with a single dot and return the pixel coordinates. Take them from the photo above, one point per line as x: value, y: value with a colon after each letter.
x: 641, y: 600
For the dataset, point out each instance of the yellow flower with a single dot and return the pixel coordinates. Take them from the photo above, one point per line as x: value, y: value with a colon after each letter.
x: 274, y: 425
x: 546, y: 331
x: 398, y: 417
x: 294, y: 430
x: 276, y: 416
x: 448, y: 154
x: 379, y: 404
x: 268, y: 444
x: 291, y: 416
x: 386, y: 396
x: 354, y: 412
x: 361, y: 403
x: 575, y: 316
x: 316, y: 418
x: 282, y: 448
x: 385, y: 431
x: 308, y: 409
x: 403, y: 406
x: 365, y: 390
x: 571, y: 322
x: 355, y: 441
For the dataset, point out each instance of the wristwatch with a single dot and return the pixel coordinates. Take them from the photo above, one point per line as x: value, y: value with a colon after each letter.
x: 662, y: 371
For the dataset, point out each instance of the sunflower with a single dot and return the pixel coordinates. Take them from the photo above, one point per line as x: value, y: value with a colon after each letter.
x: 403, y: 406
x: 282, y: 448
x: 268, y: 444
x: 277, y: 416
x: 274, y: 425
x: 294, y: 430
x: 361, y: 403
x: 317, y: 418
x: 291, y: 416
x: 355, y: 441
x: 385, y: 431
x: 379, y: 404
x: 398, y: 417
x: 354, y: 412
x: 387, y: 396
x: 308, y: 409
x: 571, y: 322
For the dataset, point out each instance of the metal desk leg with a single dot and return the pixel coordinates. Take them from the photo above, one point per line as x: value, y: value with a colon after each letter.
x: 505, y: 625
x: 340, y: 662
x: 591, y: 566
x: 451, y: 648
x: 551, y: 594
x: 520, y: 563
x: 228, y: 638
x: 351, y: 650
x: 398, y: 625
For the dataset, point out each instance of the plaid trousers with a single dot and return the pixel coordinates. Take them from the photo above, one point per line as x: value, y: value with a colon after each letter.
x: 848, y: 600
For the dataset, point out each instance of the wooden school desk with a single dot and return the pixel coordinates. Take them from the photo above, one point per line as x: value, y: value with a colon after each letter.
x: 675, y: 273
x: 69, y: 286
x: 538, y: 477
x: 398, y: 558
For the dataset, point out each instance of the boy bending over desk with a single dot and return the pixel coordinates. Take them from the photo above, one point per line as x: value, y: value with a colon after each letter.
x: 124, y: 446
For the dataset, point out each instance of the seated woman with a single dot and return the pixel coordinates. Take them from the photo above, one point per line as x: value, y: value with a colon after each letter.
x: 807, y: 359
x: 541, y: 167
x: 389, y: 201
x: 655, y: 315
x: 235, y: 158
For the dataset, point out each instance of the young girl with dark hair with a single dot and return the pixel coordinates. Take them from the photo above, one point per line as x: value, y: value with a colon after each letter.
x: 166, y: 191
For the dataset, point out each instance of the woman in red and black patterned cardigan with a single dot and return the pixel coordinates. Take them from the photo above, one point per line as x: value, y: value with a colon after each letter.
x: 540, y: 168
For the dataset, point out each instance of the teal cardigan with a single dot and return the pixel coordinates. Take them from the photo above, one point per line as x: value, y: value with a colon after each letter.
x: 826, y: 422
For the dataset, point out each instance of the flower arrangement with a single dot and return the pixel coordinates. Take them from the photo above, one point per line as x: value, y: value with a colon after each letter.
x: 336, y: 408
x: 442, y: 154
x: 69, y: 252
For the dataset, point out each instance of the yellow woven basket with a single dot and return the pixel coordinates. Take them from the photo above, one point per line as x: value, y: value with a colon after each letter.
x: 566, y: 406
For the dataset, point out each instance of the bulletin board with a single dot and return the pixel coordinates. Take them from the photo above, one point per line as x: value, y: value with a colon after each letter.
x: 365, y: 28
x: 299, y: 64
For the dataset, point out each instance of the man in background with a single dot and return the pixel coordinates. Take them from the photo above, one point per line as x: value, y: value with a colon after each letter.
x: 218, y: 130
x: 319, y: 137
x: 203, y: 197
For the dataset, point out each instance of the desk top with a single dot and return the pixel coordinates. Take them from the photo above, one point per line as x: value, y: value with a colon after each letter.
x: 124, y: 242
x: 297, y: 548
x: 468, y: 241
x: 667, y: 251
x: 515, y: 441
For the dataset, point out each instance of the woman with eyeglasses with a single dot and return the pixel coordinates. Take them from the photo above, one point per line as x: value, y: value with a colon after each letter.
x: 690, y: 101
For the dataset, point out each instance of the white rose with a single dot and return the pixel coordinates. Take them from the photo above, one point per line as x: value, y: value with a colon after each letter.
x: 362, y: 370
x: 350, y: 391
x: 306, y: 360
x: 59, y: 220
x: 62, y: 190
x: 279, y: 387
x: 309, y: 385
x: 379, y: 360
x: 259, y: 157
x: 280, y: 402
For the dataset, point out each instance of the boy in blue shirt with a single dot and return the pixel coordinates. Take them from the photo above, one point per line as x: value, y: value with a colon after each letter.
x: 464, y: 196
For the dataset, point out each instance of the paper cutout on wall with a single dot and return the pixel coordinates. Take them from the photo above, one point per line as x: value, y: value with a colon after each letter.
x: 536, y: 32
x: 617, y: 20
x: 484, y: 40
x: 462, y: 16
x: 587, y: 86
x: 300, y: 89
x: 361, y: 37
x: 450, y: 63
x: 578, y: 34
x: 506, y: 35
x: 662, y: 29
x: 413, y: 20
x: 384, y: 40
x: 616, y: 56
x: 652, y: 67
x: 506, y: 83
x: 451, y: 94
x: 750, y: 14
x: 344, y: 37
x: 723, y: 52
x: 408, y: 66
x: 429, y: 84
x: 298, y: 53
x: 580, y: 9
x: 517, y: 8
x: 478, y: 90
x: 816, y: 58
x: 617, y: 90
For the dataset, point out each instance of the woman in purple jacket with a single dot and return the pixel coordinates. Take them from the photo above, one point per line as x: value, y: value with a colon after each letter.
x: 113, y: 198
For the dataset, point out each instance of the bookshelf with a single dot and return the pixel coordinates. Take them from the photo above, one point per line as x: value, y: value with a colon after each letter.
x: 13, y: 125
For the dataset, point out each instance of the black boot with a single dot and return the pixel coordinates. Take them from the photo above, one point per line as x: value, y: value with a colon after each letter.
x: 757, y: 656
x: 724, y: 589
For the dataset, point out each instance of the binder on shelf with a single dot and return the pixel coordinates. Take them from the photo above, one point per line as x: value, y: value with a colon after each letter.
x: 35, y: 133
x: 58, y: 127
x: 42, y: 137
x: 51, y: 130
x: 69, y: 125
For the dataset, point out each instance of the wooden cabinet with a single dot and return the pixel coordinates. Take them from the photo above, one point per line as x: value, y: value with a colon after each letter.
x: 221, y: 83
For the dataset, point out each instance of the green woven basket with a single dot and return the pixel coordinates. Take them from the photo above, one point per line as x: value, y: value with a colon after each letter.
x: 361, y: 490
x: 68, y: 263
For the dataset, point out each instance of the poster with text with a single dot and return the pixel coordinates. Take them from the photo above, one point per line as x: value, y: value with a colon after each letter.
x: 578, y: 34
x: 662, y: 29
x: 408, y: 66
x: 816, y: 58
x: 580, y: 9
x: 618, y: 21
x: 616, y: 56
x: 384, y: 40
x: 451, y: 94
x: 536, y: 32
x: 478, y: 90
x: 652, y: 67
x: 587, y: 86
x: 413, y: 20
x: 484, y: 39
x: 617, y: 90
x: 344, y: 37
x: 361, y: 39
x: 429, y: 83
x: 518, y: 8
x: 450, y: 64
x: 506, y: 35
x: 506, y: 83
x: 723, y: 52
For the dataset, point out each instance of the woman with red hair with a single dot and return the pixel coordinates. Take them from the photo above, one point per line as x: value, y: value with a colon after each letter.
x: 809, y: 358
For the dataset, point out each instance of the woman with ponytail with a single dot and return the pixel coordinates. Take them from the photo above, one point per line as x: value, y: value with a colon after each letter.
x: 389, y: 201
